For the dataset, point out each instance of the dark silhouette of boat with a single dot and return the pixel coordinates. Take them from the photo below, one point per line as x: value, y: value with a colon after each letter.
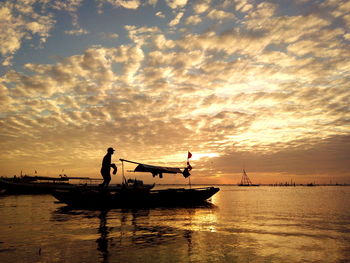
x: 245, y: 181
x: 46, y: 185
x: 311, y: 184
x: 129, y: 197
x: 137, y: 197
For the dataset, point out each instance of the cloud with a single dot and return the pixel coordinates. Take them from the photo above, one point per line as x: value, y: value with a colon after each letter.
x: 93, y: 68
x: 161, y: 42
x: 193, y: 20
x: 315, y: 163
x: 176, y: 3
x: 71, y: 6
x: 160, y: 14
x: 140, y: 35
x: 268, y: 89
x: 337, y: 8
x: 67, y: 5
x: 20, y: 22
x: 201, y: 6
x: 220, y: 15
x: 109, y: 35
x: 5, y: 99
x: 263, y: 10
x: 152, y: 2
x: 244, y: 5
x: 128, y: 4
x: 76, y: 32
x: 176, y: 20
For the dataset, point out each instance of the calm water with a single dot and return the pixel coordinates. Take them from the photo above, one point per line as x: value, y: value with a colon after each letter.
x: 260, y: 224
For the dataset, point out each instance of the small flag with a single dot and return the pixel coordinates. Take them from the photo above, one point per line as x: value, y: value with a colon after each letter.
x: 189, y: 155
x: 189, y: 167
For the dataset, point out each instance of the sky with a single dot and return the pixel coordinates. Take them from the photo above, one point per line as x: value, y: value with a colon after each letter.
x: 241, y: 84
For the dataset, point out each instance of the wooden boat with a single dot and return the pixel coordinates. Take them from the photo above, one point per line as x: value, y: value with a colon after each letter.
x: 46, y: 185
x: 245, y: 181
x: 129, y: 197
x: 138, y: 197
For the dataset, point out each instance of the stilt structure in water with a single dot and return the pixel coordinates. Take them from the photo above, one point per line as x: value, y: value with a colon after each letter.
x: 245, y: 181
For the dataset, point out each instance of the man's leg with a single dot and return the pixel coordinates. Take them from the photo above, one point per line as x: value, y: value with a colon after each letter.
x: 103, y: 176
x: 108, y: 180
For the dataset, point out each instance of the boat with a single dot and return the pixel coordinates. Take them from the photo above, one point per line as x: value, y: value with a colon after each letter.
x: 138, y: 197
x: 135, y: 197
x: 32, y: 184
x: 245, y: 181
x: 311, y: 184
x: 46, y: 185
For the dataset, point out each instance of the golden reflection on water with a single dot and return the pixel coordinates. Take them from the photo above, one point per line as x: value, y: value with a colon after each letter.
x: 263, y: 224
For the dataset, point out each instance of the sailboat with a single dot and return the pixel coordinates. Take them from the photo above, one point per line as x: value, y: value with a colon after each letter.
x: 245, y: 181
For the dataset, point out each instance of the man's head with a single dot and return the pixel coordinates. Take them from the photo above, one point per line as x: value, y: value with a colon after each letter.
x: 110, y: 150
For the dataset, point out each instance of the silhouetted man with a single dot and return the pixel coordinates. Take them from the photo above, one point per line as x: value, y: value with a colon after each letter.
x: 106, y: 167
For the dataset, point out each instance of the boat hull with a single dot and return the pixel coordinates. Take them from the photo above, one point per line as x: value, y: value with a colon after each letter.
x: 135, y: 197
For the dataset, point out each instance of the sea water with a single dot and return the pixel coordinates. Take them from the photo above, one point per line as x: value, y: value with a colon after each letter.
x: 243, y: 224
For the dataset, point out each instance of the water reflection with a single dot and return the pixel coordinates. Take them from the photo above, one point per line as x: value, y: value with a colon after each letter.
x: 118, y: 232
x: 102, y: 241
x: 262, y: 225
x: 266, y: 224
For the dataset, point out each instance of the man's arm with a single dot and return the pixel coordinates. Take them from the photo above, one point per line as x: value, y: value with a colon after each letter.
x: 114, y: 168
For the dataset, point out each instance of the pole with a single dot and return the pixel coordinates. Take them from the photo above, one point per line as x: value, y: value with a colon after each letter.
x: 123, y: 160
x: 123, y: 171
x: 189, y: 177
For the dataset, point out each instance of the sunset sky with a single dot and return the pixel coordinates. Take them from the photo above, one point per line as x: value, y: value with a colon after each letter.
x: 260, y: 85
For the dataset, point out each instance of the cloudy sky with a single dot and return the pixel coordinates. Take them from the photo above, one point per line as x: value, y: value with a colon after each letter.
x: 261, y: 85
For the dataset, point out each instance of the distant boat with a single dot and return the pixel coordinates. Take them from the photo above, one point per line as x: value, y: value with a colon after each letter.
x: 46, y: 185
x: 311, y: 184
x: 245, y: 181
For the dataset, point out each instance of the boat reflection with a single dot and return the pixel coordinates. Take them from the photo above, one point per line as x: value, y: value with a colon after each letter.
x: 102, y: 241
x: 116, y: 232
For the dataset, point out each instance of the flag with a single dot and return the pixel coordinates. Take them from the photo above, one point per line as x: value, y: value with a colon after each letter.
x: 186, y: 172
x: 189, y: 167
x: 189, y: 155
